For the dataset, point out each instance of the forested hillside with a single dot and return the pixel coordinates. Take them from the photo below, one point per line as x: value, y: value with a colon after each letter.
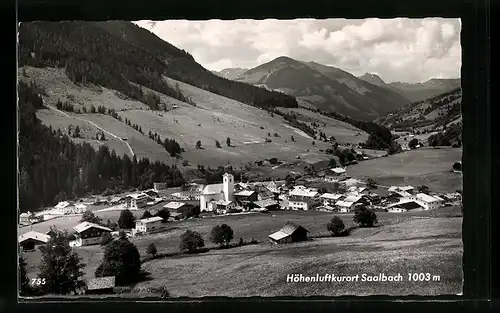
x: 116, y: 54
x: 53, y: 168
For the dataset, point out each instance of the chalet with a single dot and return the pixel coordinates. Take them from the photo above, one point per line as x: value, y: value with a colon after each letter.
x: 302, y: 198
x: 246, y: 196
x: 329, y: 199
x: 31, y: 239
x: 405, y: 207
x: 25, y: 218
x: 146, y: 225
x: 266, y: 205
x: 136, y: 201
x: 179, y: 207
x: 159, y: 186
x: 347, y: 204
x: 62, y: 205
x: 398, y: 196
x: 100, y: 285
x: 290, y: 232
x: 263, y: 193
x: 274, y: 187
x: 335, y: 174
x: 241, y: 186
x: 223, y: 206
x: 88, y: 234
x: 428, y: 202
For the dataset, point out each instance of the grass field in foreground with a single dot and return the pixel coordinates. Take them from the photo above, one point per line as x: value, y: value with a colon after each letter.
x: 425, y: 166
x: 405, y: 242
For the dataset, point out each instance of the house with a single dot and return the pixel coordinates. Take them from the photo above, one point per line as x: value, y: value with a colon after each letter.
x: 222, y: 206
x: 347, y: 204
x: 88, y: 234
x: 147, y: 225
x: 263, y: 193
x: 189, y: 192
x: 398, y: 196
x: 329, y: 199
x: 302, y: 198
x: 174, y: 216
x: 241, y: 186
x: 159, y: 186
x: 405, y: 207
x: 136, y: 201
x: 100, y: 285
x: 428, y: 202
x: 116, y: 200
x: 408, y: 189
x: 61, y: 205
x: 25, y: 218
x: 266, y: 205
x: 274, y: 187
x: 31, y: 239
x: 216, y: 192
x: 335, y: 174
x: 179, y: 207
x: 151, y: 193
x: 246, y: 196
x: 290, y: 232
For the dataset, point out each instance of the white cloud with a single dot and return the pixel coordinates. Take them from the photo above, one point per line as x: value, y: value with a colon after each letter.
x: 410, y: 50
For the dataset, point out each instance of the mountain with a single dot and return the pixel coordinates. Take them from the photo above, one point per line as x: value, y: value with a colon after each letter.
x: 324, y: 87
x: 373, y: 79
x: 231, y: 73
x: 421, y: 91
x: 427, y: 115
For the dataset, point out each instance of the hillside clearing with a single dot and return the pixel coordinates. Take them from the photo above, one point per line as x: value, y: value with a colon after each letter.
x: 424, y: 166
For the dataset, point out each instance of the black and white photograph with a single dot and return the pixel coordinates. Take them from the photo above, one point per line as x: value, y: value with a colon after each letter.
x: 240, y: 158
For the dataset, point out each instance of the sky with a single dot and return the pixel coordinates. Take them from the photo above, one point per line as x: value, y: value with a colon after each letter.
x: 401, y: 49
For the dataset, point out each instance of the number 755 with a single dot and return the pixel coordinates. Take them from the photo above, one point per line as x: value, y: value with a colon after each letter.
x: 38, y: 281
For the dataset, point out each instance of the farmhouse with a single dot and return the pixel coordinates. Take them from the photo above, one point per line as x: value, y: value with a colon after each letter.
x: 88, y: 234
x: 246, y: 196
x: 216, y: 192
x: 31, y: 239
x: 25, y: 218
x: 291, y: 232
x: 266, y: 205
x: 100, y: 285
x: 61, y: 205
x: 159, y: 186
x: 405, y: 207
x: 302, y: 198
x: 179, y: 207
x: 263, y: 193
x: 274, y: 187
x: 398, y: 196
x: 329, y: 199
x: 428, y: 202
x: 335, y: 174
x: 351, y: 201
x: 135, y: 201
x: 147, y: 224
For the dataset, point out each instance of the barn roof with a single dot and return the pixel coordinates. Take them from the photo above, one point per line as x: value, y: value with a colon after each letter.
x: 426, y: 198
x: 290, y: 228
x: 101, y: 283
x: 151, y: 219
x: 86, y: 225
x: 34, y: 235
x: 174, y: 205
x: 408, y: 205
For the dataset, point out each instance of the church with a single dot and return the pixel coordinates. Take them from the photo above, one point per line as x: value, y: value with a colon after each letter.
x: 218, y: 197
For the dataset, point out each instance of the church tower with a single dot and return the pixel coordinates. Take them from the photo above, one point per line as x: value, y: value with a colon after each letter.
x: 228, y: 183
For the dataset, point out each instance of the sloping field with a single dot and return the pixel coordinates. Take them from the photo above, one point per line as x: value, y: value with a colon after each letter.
x: 425, y: 166
x: 342, y: 131
x: 427, y: 245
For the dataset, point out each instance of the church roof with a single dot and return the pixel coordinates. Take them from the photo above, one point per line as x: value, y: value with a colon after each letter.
x: 213, y: 189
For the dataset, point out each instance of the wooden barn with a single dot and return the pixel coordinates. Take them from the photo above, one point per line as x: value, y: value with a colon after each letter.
x: 31, y: 239
x: 291, y: 232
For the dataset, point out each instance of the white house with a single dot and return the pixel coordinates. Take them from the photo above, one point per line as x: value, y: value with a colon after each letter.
x: 329, y: 199
x: 335, y: 174
x: 88, y: 234
x: 216, y: 192
x: 147, y: 225
x: 189, y: 192
x: 25, y: 218
x: 138, y: 200
x: 349, y: 202
x: 222, y: 206
x: 428, y: 202
x: 405, y: 206
x: 61, y: 205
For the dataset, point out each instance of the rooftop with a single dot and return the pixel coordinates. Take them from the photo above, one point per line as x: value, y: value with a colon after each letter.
x: 265, y: 203
x: 426, y: 198
x: 213, y: 189
x: 151, y: 219
x: 86, y: 225
x: 34, y: 235
x: 331, y: 196
x: 244, y: 193
x: 174, y: 205
x: 338, y: 170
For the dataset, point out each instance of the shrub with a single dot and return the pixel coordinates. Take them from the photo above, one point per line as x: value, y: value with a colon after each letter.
x: 126, y: 220
x: 122, y: 260
x: 335, y: 226
x: 191, y: 240
x: 222, y: 235
x: 146, y: 214
x: 457, y: 166
x: 364, y: 217
x: 151, y: 250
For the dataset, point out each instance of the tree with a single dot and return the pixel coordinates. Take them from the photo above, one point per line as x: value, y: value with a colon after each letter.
x: 332, y: 163
x: 217, y: 144
x: 198, y: 144
x: 106, y: 238
x: 126, y: 220
x: 313, y: 143
x: 24, y: 282
x: 122, y: 260
x: 335, y: 226
x: 152, y: 249
x: 457, y: 166
x: 292, y: 138
x: 89, y: 216
x: 423, y: 189
x: 371, y: 183
x: 76, y: 134
x: 413, y: 143
x: 164, y: 214
x: 228, y: 142
x: 60, y: 268
x: 222, y: 235
x: 190, y: 241
x: 146, y: 214
x: 364, y: 217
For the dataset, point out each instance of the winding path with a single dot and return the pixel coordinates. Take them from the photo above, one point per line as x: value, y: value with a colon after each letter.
x: 96, y: 126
